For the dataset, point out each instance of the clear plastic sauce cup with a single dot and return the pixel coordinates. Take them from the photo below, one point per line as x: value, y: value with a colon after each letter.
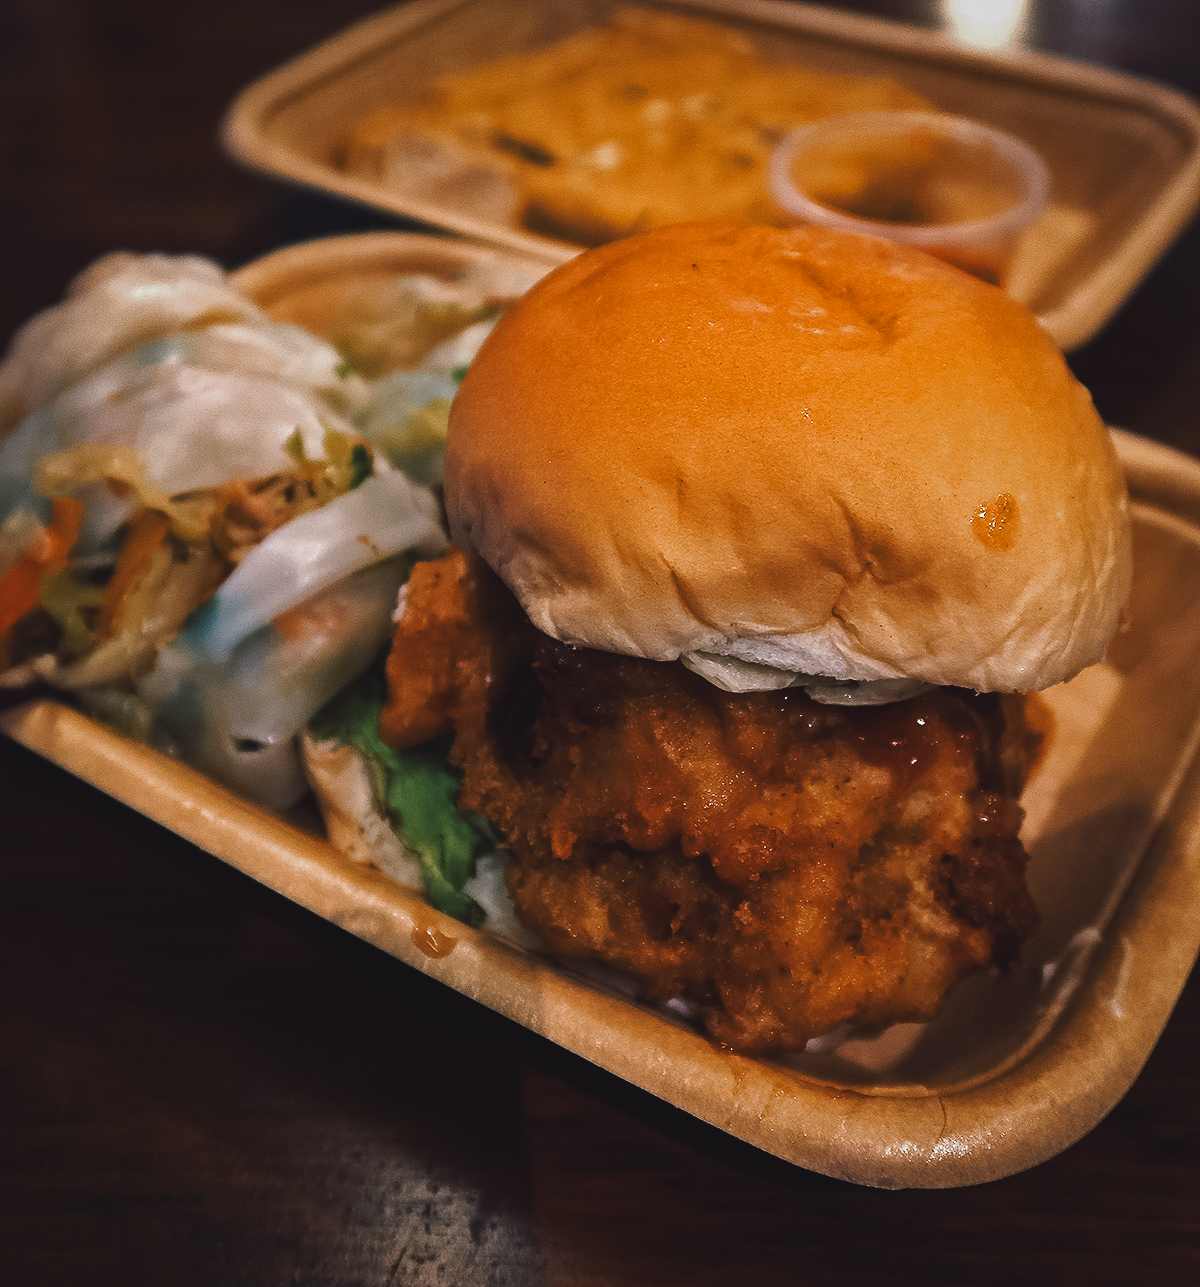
x: 956, y: 188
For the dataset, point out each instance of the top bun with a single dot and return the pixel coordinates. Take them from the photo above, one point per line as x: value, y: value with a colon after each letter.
x: 798, y: 447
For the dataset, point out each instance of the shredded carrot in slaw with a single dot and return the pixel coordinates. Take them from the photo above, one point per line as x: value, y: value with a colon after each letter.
x: 147, y: 532
x: 20, y: 584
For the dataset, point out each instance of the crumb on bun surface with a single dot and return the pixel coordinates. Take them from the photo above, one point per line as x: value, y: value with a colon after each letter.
x: 804, y: 448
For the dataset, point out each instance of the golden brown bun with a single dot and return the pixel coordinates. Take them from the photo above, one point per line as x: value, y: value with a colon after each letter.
x: 805, y: 448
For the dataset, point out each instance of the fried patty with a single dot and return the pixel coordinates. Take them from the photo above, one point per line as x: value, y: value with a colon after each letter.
x: 784, y: 866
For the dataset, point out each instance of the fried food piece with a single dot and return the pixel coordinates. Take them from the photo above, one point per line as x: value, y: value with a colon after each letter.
x: 784, y: 866
x: 652, y: 119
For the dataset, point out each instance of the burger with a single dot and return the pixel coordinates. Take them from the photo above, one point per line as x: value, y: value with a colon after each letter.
x: 761, y: 538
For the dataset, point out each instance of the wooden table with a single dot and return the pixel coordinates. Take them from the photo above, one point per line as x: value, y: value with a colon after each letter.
x: 202, y: 1084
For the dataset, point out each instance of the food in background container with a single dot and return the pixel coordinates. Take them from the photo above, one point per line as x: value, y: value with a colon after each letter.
x: 651, y: 119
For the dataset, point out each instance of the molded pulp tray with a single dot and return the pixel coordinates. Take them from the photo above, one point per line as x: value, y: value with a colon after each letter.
x: 1015, y: 1069
x: 1124, y: 154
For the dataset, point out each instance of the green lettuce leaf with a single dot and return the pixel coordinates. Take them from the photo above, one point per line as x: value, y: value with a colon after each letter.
x: 420, y: 791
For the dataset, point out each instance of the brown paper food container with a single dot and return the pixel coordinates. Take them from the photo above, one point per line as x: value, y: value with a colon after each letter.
x: 1123, y: 153
x: 1015, y: 1069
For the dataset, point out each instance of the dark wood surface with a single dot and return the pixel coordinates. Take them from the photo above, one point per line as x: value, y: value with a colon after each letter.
x: 202, y: 1084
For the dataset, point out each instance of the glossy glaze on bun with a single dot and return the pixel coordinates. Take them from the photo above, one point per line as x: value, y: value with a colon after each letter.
x: 804, y: 448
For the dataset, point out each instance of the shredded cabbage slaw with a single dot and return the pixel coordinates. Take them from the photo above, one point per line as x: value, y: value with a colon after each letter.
x: 206, y: 517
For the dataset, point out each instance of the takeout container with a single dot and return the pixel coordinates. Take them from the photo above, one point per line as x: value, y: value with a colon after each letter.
x: 1015, y: 1069
x: 1123, y: 154
x: 957, y: 189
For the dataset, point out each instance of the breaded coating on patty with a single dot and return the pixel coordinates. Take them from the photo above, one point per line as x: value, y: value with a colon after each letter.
x: 782, y: 865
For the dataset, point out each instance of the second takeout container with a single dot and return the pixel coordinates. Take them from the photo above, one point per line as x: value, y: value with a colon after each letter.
x: 1015, y: 1069
x: 1124, y: 154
